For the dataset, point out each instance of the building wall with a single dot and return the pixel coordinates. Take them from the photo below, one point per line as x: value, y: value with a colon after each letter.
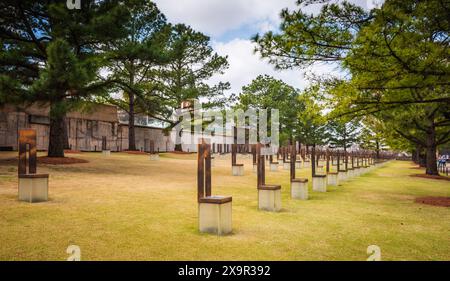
x: 86, y: 129
x: 143, y: 137
x: 10, y: 122
x: 86, y: 135
x: 189, y: 141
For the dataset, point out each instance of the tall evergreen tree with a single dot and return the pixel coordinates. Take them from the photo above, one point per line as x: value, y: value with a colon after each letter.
x: 132, y: 62
x: 343, y: 133
x: 266, y: 92
x: 192, y: 63
x: 311, y: 121
x: 373, y: 135
x: 397, y: 55
x: 51, y: 54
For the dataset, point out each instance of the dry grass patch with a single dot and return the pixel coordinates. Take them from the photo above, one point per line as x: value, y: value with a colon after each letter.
x: 126, y: 207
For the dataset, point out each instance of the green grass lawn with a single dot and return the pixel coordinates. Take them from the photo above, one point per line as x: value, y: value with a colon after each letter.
x: 125, y: 207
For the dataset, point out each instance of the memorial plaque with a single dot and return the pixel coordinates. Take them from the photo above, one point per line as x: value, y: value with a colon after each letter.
x: 299, y: 187
x: 293, y: 160
x: 261, y: 176
x: 269, y: 196
x: 27, y: 145
x: 152, y: 146
x: 104, y: 143
x: 254, y: 154
x: 214, y: 211
x: 32, y: 187
x: 203, y: 170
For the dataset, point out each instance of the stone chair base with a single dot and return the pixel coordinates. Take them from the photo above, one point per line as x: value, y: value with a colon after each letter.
x: 269, y: 198
x: 237, y: 170
x: 286, y: 165
x: 319, y: 183
x: 255, y: 168
x: 333, y: 178
x: 215, y: 215
x: 298, y: 164
x: 306, y: 164
x: 342, y: 176
x: 350, y: 173
x: 366, y: 169
x: 274, y: 166
x: 154, y: 157
x: 33, y: 187
x: 299, y: 189
x: 106, y: 152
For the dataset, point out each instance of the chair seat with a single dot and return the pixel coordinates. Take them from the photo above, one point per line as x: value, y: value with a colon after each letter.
x: 299, y: 180
x: 319, y: 176
x: 269, y: 187
x: 274, y: 163
x: 239, y: 165
x: 332, y: 173
x: 215, y: 199
x: 33, y: 176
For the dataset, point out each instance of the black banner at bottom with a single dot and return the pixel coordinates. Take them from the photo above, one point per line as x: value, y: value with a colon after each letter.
x: 211, y: 270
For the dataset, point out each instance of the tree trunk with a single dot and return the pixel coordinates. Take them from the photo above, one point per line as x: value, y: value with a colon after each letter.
x: 415, y: 155
x: 377, y: 149
x: 345, y: 157
x: 57, y: 133
x: 313, y: 160
x: 131, y: 127
x: 178, y: 134
x: 422, y: 160
x: 66, y: 135
x: 131, y: 111
x: 431, y: 161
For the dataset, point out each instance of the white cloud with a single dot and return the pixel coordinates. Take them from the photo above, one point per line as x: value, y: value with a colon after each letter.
x: 245, y: 66
x: 265, y: 26
x: 215, y: 17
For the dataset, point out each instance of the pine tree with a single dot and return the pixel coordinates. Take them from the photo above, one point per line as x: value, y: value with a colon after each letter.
x: 53, y: 55
x: 132, y: 62
x: 183, y: 78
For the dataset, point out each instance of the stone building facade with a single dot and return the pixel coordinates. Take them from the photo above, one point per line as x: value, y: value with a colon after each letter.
x: 87, y: 127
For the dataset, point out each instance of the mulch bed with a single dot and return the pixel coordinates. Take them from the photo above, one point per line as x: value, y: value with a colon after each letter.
x: 431, y: 177
x: 181, y: 152
x: 417, y: 168
x: 60, y: 160
x: 68, y: 151
x: 9, y: 161
x: 135, y: 152
x: 435, y: 201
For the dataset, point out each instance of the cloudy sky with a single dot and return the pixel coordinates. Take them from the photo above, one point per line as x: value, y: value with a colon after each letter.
x: 231, y: 24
